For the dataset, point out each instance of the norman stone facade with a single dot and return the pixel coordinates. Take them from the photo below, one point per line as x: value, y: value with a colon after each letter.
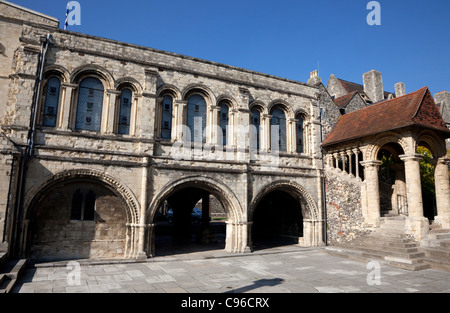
x: 97, y: 136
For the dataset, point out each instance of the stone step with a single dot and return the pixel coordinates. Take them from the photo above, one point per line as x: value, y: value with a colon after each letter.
x: 3, y: 258
x: 439, y: 230
x: 438, y: 236
x: 385, y: 242
x: 436, y: 253
x: 408, y: 254
x: 439, y: 264
x: 398, y: 262
x: 11, y: 272
x: 393, y: 235
x: 7, y: 284
x: 445, y: 244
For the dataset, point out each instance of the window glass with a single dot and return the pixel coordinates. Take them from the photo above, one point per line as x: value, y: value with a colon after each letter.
x: 125, y: 112
x: 279, y: 119
x: 196, y: 118
x: 90, y: 103
x: 166, y: 118
x: 51, y: 102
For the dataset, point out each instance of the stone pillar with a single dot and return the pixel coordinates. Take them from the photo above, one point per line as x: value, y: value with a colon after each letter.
x: 291, y: 136
x: 64, y: 113
x: 111, y: 110
x: 214, y: 127
x: 343, y: 158
x: 143, y: 214
x: 350, y: 167
x: 413, y: 184
x: 178, y: 127
x: 372, y: 191
x: 416, y: 224
x: 356, y: 153
x: 442, y: 183
x: 265, y: 132
x: 231, y: 141
x: 150, y: 250
x: 336, y: 160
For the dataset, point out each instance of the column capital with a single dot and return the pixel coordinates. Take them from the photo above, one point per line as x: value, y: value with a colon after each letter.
x: 445, y: 161
x: 112, y: 92
x: 411, y: 157
x: 371, y: 163
x: 180, y: 102
x: 69, y: 85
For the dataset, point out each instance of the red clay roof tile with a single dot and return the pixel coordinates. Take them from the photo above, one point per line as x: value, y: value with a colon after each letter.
x: 415, y: 109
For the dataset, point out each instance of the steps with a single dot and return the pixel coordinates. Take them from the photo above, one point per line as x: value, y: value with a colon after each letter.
x: 387, y: 244
x: 437, y: 248
x: 9, y: 273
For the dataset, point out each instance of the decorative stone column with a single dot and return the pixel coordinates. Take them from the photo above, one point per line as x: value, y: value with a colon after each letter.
x: 356, y: 153
x: 64, y: 114
x: 372, y: 215
x: 111, y: 110
x: 350, y: 167
x: 413, y: 184
x: 416, y: 224
x: 442, y: 184
x: 336, y: 160
x: 178, y: 128
x: 144, y: 199
x: 214, y: 127
x: 265, y: 133
x: 238, y: 239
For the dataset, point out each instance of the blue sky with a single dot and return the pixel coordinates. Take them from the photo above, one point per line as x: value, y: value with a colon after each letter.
x: 287, y: 38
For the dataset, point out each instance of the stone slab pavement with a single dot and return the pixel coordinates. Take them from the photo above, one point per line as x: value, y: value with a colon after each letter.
x: 288, y: 269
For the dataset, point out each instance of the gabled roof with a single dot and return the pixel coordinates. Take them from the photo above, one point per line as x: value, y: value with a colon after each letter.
x: 414, y: 109
x: 342, y: 102
x: 351, y: 87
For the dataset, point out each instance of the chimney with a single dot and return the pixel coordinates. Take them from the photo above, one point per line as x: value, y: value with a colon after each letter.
x: 400, y: 89
x: 314, y: 78
x: 442, y: 99
x: 373, y: 86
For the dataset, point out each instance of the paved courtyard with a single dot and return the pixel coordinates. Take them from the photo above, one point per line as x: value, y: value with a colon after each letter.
x: 287, y: 269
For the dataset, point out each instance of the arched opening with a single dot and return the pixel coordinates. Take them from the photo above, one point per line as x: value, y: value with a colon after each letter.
x: 255, y: 134
x: 427, y: 180
x: 392, y: 183
x: 277, y: 220
x: 51, y: 101
x: 189, y: 219
x: 223, y: 123
x: 90, y: 104
x: 78, y: 218
x: 278, y: 129
x: 196, y: 118
x: 125, y: 107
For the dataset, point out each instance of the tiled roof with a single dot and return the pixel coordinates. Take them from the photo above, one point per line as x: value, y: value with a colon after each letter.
x: 342, y: 102
x: 414, y: 109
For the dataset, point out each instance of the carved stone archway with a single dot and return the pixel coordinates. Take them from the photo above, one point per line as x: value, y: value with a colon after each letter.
x: 312, y: 221
x: 236, y: 225
x: 123, y: 193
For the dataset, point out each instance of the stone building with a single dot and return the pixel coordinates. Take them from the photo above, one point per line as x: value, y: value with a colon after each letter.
x: 104, y: 133
x: 99, y: 137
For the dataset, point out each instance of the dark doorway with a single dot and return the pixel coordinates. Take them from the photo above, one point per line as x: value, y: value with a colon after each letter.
x: 184, y: 223
x: 277, y: 221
